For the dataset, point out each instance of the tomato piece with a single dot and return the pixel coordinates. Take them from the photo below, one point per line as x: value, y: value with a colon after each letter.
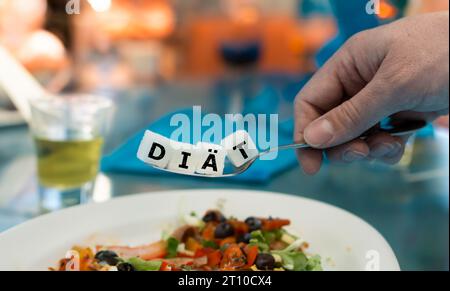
x: 156, y: 250
x: 273, y: 224
x: 228, y: 240
x: 203, y: 252
x: 164, y: 266
x: 239, y: 227
x: 233, y: 257
x: 252, y: 253
x: 214, y: 258
x: 208, y: 232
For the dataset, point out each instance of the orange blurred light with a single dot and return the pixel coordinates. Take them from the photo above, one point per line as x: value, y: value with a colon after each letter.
x: 387, y: 10
x: 247, y: 15
x: 157, y: 19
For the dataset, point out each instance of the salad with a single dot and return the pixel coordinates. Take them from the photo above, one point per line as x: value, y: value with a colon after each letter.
x: 210, y: 243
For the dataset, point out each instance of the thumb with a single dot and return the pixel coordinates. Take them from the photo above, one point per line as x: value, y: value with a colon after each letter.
x: 351, y: 118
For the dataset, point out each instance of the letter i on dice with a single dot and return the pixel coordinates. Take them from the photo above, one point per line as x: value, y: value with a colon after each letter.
x: 185, y: 158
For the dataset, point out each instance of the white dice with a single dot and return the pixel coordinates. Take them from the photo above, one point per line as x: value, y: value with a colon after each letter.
x: 212, y: 159
x: 185, y: 158
x: 240, y: 147
x: 155, y: 149
x: 203, y: 158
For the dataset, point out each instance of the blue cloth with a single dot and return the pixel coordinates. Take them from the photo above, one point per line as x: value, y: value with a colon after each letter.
x: 124, y: 158
x: 351, y: 18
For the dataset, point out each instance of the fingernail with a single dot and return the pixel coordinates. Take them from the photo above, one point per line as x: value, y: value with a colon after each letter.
x: 319, y: 133
x: 352, y: 156
x: 395, y: 152
x: 383, y: 149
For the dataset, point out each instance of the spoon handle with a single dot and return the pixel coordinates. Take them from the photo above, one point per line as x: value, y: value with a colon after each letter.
x: 393, y: 127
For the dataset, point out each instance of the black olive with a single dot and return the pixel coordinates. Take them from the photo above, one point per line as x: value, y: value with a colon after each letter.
x: 223, y: 230
x: 213, y: 216
x: 245, y: 238
x: 109, y: 257
x: 253, y: 223
x: 125, y: 267
x: 265, y: 262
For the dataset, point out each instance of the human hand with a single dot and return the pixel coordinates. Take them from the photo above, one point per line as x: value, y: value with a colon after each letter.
x: 400, y: 69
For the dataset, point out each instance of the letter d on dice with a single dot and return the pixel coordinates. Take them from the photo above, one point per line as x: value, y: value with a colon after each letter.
x: 240, y: 147
x: 155, y: 149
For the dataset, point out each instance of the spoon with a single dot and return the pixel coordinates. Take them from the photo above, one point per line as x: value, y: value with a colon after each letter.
x: 393, y: 127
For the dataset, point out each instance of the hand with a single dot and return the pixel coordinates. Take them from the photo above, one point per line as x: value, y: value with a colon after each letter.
x: 400, y: 69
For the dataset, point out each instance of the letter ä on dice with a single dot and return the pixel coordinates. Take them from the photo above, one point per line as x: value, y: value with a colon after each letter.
x: 240, y: 147
x: 155, y: 149
x: 212, y: 159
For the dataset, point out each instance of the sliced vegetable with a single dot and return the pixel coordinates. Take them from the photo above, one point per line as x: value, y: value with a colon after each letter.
x: 227, y: 241
x: 314, y: 264
x: 208, y: 232
x: 147, y: 252
x: 239, y: 227
x: 259, y: 240
x: 141, y: 265
x: 274, y: 223
x: 252, y: 253
x: 210, y: 244
x: 294, y: 259
x: 193, y: 245
x: 214, y: 259
x: 233, y: 258
x: 172, y: 247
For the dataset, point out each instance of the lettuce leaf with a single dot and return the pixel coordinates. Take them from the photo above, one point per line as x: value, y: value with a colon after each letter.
x: 258, y: 239
x: 294, y: 259
x: 314, y: 264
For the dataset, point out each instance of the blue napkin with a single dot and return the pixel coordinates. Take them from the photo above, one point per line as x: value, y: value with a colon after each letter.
x: 124, y: 158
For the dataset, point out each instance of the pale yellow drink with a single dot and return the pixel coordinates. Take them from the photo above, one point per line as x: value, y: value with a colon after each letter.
x: 67, y: 164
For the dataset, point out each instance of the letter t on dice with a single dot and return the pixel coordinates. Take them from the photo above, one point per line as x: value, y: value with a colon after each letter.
x: 240, y: 147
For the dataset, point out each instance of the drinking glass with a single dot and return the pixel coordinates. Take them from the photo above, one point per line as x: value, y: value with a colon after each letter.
x: 68, y: 132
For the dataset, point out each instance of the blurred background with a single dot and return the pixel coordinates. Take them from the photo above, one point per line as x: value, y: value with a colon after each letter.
x: 155, y: 57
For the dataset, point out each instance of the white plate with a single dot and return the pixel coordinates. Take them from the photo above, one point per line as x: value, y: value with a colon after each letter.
x: 344, y: 241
